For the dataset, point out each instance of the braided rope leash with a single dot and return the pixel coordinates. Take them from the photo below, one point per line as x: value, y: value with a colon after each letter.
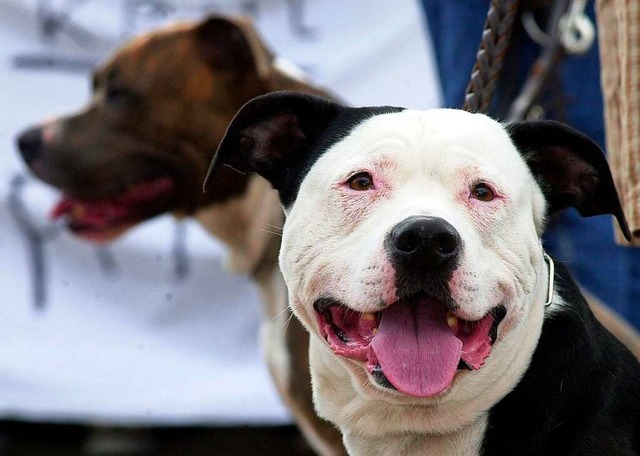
x: 491, y: 55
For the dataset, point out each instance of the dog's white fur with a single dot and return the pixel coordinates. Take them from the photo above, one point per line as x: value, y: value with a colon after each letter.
x: 422, y: 163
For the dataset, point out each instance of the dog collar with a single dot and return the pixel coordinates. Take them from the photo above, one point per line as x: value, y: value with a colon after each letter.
x: 551, y: 267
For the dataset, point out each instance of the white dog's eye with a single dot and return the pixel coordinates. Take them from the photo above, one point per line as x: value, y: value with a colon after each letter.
x: 482, y: 192
x: 361, y: 182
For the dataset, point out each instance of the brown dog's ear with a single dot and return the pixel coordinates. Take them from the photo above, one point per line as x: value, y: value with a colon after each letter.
x: 271, y: 135
x: 570, y: 168
x: 232, y: 44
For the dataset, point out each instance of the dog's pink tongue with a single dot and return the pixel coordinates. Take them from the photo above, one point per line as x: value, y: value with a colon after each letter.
x: 416, y: 350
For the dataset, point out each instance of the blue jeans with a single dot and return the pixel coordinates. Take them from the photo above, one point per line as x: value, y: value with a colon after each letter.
x: 610, y: 272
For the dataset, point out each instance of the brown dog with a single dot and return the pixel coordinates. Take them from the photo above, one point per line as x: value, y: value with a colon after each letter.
x: 142, y: 147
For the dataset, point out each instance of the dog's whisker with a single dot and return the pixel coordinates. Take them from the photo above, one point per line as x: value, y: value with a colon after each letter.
x: 287, y: 323
x: 271, y: 232
x: 279, y: 314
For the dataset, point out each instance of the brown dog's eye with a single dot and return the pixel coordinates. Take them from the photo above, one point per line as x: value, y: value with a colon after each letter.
x: 115, y: 94
x: 482, y: 192
x: 361, y: 182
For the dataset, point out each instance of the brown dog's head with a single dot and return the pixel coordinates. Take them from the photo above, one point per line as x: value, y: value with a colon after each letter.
x: 159, y: 108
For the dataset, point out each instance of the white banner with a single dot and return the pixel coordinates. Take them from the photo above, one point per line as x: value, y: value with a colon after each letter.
x: 151, y: 329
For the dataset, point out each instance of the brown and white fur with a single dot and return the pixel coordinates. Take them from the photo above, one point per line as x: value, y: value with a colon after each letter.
x: 141, y: 147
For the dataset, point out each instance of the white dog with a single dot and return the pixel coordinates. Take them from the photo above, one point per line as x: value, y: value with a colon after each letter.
x: 412, y: 254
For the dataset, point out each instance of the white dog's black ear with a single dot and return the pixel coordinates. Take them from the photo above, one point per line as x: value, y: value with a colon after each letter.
x: 271, y: 135
x: 570, y: 168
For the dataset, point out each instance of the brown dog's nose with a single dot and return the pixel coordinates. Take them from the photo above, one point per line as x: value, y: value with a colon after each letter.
x: 30, y: 144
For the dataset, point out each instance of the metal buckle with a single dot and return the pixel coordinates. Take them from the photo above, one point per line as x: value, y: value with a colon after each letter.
x: 577, y: 32
x: 551, y: 267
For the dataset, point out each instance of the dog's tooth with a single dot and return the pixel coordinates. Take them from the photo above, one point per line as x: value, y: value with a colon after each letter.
x: 374, y: 331
x: 77, y: 211
x: 367, y: 316
x: 452, y: 320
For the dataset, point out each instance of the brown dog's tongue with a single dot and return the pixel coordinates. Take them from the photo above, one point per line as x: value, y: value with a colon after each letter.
x: 416, y: 350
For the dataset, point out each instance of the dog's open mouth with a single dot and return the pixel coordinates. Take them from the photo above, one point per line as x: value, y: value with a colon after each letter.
x: 415, y: 346
x: 103, y: 219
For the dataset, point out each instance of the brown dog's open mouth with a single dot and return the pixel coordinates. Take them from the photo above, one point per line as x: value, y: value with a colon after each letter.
x: 415, y: 345
x: 103, y: 219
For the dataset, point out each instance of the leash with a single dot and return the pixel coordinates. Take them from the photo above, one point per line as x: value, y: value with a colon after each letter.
x: 569, y: 31
x: 490, y: 56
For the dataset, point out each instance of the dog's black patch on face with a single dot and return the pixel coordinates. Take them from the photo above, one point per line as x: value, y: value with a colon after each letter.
x: 337, y: 130
x: 281, y: 135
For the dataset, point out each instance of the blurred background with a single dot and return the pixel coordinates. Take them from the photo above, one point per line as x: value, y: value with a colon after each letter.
x: 148, y: 345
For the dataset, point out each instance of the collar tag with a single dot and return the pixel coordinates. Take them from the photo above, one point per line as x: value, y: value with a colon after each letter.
x: 551, y: 268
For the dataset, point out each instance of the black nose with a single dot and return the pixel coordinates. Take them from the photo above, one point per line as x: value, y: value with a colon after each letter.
x: 425, y: 243
x: 30, y: 144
